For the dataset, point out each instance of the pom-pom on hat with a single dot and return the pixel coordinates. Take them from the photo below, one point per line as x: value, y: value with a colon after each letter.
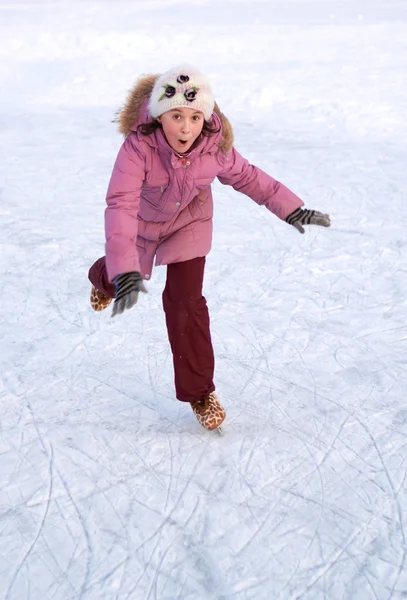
x: 181, y: 87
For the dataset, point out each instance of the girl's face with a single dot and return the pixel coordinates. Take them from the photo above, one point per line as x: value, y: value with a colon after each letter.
x: 181, y: 127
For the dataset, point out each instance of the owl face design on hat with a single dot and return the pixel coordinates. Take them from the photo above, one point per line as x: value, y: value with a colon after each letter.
x: 181, y: 87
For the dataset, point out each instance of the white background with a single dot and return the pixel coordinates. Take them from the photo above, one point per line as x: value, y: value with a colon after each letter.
x: 109, y: 488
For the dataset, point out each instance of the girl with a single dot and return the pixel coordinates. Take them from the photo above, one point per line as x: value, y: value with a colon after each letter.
x: 159, y: 205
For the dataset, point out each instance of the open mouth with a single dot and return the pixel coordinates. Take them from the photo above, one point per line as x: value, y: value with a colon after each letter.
x: 183, y: 142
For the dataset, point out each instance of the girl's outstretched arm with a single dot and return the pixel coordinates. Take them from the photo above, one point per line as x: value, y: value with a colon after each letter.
x: 266, y: 191
x: 123, y: 203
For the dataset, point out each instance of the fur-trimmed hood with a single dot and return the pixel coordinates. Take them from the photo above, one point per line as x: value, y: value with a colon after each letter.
x: 134, y: 111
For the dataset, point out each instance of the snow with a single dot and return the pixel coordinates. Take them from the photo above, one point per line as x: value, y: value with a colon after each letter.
x: 109, y: 488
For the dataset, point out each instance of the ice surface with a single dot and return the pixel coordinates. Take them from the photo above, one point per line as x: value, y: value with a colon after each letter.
x: 109, y: 488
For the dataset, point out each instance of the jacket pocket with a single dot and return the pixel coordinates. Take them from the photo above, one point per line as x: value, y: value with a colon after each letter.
x: 201, y: 207
x: 154, y: 194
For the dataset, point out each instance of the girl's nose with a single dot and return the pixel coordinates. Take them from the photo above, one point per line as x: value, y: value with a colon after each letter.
x: 185, y: 127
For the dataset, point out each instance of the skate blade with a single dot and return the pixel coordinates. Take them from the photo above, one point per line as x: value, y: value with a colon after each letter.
x: 220, y: 430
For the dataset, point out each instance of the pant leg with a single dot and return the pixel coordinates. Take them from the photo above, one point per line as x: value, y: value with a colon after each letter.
x: 98, y: 276
x: 188, y: 327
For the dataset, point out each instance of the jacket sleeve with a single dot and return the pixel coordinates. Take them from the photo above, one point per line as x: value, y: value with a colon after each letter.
x: 123, y: 203
x: 258, y: 185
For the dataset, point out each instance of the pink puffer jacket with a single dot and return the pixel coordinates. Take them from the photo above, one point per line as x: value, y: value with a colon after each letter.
x: 159, y: 205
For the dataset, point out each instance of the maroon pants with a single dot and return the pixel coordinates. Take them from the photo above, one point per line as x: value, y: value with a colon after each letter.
x: 188, y: 325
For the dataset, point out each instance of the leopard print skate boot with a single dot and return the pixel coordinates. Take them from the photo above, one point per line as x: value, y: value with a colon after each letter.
x: 98, y: 301
x: 209, y: 412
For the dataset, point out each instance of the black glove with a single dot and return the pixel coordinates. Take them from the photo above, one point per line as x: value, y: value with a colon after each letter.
x: 302, y: 216
x: 127, y: 288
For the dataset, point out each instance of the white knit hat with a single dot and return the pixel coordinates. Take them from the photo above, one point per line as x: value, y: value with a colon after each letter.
x: 181, y: 87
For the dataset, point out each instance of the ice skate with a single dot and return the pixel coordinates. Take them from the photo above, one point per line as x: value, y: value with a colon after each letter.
x: 209, y: 412
x: 98, y: 301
